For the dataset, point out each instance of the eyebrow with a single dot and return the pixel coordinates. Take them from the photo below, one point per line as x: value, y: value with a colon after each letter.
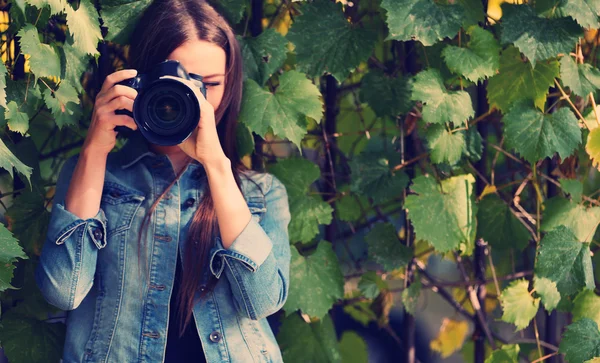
x: 213, y: 75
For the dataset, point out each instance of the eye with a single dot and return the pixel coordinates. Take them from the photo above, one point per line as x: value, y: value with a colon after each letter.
x: 211, y: 84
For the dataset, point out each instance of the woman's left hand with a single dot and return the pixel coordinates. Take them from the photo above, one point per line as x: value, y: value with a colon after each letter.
x: 203, y: 144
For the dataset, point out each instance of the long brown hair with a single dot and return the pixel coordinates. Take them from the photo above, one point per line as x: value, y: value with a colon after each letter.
x: 164, y: 26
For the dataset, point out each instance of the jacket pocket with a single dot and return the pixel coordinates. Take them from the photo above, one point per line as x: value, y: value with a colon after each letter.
x: 257, y: 207
x: 120, y: 204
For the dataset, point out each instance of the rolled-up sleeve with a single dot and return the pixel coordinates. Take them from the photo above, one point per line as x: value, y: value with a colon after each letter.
x: 67, y: 264
x: 257, y: 263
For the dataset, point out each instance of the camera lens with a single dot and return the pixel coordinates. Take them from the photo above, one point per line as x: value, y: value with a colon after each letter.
x: 167, y: 108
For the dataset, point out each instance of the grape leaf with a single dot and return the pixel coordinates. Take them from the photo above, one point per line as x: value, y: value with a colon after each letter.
x: 44, y: 61
x: 315, y: 342
x: 582, y: 220
x: 580, y: 78
x: 509, y: 353
x: 386, y: 249
x: 372, y: 177
x: 263, y: 55
x: 28, y: 220
x: 497, y: 225
x: 387, y: 96
x: 371, y: 284
x: 518, y: 306
x: 586, y: 305
x: 326, y: 41
x: 244, y: 140
x: 318, y: 273
x: 422, y: 20
x: 121, y: 17
x: 592, y: 146
x: 17, y: 121
x: 8, y: 160
x: 361, y: 312
x: 26, y: 339
x: 84, y: 27
x: 285, y: 111
x: 537, y: 37
x: 445, y: 146
x: 232, y: 9
x: 573, y: 187
x: 10, y: 250
x: 410, y: 297
x: 535, y: 135
x: 73, y: 62
x: 353, y: 348
x: 56, y: 6
x: 518, y: 79
x: 308, y: 211
x: 348, y: 208
x: 64, y: 105
x: 444, y: 216
x: 3, y: 73
x: 585, y: 12
x: 548, y: 292
x: 580, y: 341
x: 450, y: 338
x: 441, y: 105
x: 479, y: 60
x: 561, y: 256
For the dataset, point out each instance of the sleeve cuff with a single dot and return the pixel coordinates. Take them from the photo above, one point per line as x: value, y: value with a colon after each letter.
x: 95, y: 226
x: 251, y: 247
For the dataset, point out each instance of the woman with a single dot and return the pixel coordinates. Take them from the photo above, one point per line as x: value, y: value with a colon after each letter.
x: 192, y: 208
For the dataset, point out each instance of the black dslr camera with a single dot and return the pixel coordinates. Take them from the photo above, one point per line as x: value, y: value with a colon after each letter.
x: 166, y: 110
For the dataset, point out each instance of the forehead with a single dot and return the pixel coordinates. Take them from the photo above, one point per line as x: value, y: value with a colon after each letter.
x: 200, y: 57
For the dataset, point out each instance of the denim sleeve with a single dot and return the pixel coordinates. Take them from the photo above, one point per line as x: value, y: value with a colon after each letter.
x: 65, y: 272
x: 257, y: 264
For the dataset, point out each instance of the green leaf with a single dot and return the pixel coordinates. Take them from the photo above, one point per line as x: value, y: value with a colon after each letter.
x: 573, y: 187
x: 3, y: 73
x: 232, y: 9
x: 348, y: 208
x: 445, y: 146
x: 518, y: 79
x: 561, y: 256
x: 537, y: 37
x: 386, y: 249
x: 28, y: 340
x: 410, y: 297
x: 422, y: 20
x: 64, y: 105
x: 17, y: 121
x: 387, y: 96
x: 372, y: 177
x: 308, y: 211
x: 479, y: 60
x: 580, y: 78
x: 285, y: 111
x: 44, y: 61
x: 121, y: 17
x: 444, y: 216
x: 361, y: 312
x: 535, y: 135
x: 8, y: 160
x: 548, y: 292
x: 518, y: 306
x: 10, y: 250
x: 509, y: 353
x: 582, y: 220
x: 73, y: 62
x: 586, y: 305
x: 56, y: 6
x: 581, y: 341
x: 585, y: 12
x: 28, y: 219
x: 326, y: 42
x: 371, y: 284
x: 315, y: 342
x: 353, y: 348
x: 263, y: 55
x: 441, y: 105
x: 245, y: 140
x: 497, y: 225
x: 318, y: 273
x: 84, y: 27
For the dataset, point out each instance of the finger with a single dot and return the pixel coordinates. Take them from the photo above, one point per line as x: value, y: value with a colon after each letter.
x: 115, y: 91
x: 124, y: 120
x: 117, y: 103
x: 116, y: 77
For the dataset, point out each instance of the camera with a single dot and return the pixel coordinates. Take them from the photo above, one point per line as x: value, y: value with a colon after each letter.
x: 165, y: 110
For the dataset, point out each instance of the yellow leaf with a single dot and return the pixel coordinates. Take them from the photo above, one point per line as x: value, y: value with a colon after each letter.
x: 495, y: 12
x: 593, y: 146
x: 450, y: 338
x: 489, y: 189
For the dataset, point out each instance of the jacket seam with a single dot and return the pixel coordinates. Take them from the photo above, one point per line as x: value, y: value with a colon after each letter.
x: 249, y: 308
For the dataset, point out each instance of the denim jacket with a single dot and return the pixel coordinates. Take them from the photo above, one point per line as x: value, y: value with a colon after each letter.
x: 90, y: 267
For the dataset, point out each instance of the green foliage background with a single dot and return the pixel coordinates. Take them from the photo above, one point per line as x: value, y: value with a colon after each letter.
x: 407, y: 133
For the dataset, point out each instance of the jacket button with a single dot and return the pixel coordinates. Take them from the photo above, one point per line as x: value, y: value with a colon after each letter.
x: 197, y: 174
x: 215, y: 336
x: 115, y: 194
x: 189, y: 202
x: 97, y: 233
x: 202, y: 288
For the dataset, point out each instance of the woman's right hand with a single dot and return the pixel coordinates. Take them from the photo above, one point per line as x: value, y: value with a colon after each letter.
x: 101, y: 136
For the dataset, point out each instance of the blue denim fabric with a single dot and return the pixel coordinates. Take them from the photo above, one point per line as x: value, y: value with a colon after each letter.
x: 90, y: 267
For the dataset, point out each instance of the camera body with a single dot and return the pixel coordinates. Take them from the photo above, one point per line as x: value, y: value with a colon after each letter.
x: 165, y: 110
